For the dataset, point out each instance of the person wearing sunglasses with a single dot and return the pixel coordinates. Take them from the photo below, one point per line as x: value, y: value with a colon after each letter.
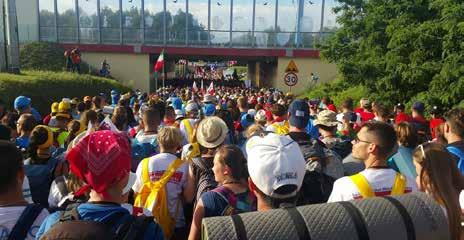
x: 439, y: 177
x: 373, y: 145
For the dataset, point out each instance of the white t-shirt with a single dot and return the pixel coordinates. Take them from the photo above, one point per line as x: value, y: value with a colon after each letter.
x: 10, y: 215
x: 27, y: 195
x: 183, y: 129
x: 142, y: 138
x: 380, y: 180
x: 156, y: 168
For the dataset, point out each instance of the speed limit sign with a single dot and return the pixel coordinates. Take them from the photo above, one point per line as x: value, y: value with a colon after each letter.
x: 291, y: 79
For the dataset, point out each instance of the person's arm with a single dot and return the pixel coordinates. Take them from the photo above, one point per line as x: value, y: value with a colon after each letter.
x: 189, y: 189
x: 195, y: 229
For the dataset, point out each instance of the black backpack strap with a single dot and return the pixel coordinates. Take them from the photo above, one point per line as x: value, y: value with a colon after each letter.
x: 239, y: 227
x: 299, y: 223
x: 407, y: 220
x: 357, y: 218
x: 25, y: 221
x: 61, y: 185
x: 134, y: 228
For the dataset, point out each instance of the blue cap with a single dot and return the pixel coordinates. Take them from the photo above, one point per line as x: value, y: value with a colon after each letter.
x: 299, y: 113
x: 246, y: 120
x: 418, y: 106
x: 209, y: 109
x: 176, y: 103
x: 22, y: 102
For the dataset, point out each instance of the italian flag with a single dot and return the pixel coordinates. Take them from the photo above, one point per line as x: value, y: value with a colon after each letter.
x: 159, y: 63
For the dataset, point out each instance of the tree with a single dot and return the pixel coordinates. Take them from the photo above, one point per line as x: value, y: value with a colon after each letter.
x: 401, y: 50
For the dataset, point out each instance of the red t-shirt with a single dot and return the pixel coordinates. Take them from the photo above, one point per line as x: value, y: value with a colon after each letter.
x: 402, y: 117
x: 435, y: 122
x: 366, y: 116
x: 359, y: 110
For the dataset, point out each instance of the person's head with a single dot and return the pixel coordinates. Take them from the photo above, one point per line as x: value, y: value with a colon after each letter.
x: 454, y: 125
x: 102, y: 160
x: 54, y: 108
x: 418, y: 108
x: 278, y: 110
x: 298, y: 114
x: 169, y: 139
x: 242, y: 103
x: 120, y: 118
x: 22, y: 104
x: 26, y: 123
x: 399, y: 108
x: 89, y: 116
x: 209, y: 109
x: 41, y: 141
x: 381, y: 112
x: 347, y: 105
x: 151, y: 119
x: 326, y: 122
x: 364, y: 102
x: 276, y: 167
x: 81, y: 107
x: 229, y: 164
x: 11, y: 169
x: 438, y: 175
x: 170, y: 115
x: 436, y: 111
x: 407, y: 135
x: 254, y: 130
x: 97, y: 102
x: 191, y: 110
x: 211, y: 132
x: 374, y: 141
x: 260, y: 117
x: 440, y: 134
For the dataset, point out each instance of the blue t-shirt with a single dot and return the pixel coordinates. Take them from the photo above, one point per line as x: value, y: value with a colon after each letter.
x: 22, y: 142
x: 101, y: 213
x: 215, y: 204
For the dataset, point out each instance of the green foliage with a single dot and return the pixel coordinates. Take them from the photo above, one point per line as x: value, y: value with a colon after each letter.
x: 401, y: 51
x: 338, y: 91
x: 46, y: 87
x: 43, y: 56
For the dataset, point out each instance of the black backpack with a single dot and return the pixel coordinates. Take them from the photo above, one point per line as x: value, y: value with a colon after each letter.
x: 317, y: 186
x: 70, y: 227
x: 342, y: 148
x: 25, y: 221
x: 204, y: 175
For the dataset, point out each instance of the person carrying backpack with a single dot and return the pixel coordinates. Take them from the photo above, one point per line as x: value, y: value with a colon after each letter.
x: 42, y: 166
x: 163, y: 182
x: 280, y: 124
x: 18, y: 219
x: 454, y: 135
x: 232, y: 196
x: 145, y: 144
x: 102, y: 160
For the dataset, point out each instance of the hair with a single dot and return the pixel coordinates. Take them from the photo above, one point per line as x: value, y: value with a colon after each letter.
x: 254, y: 129
x: 97, y: 101
x: 407, y: 135
x: 81, y: 107
x: 151, y: 117
x: 28, y: 123
x: 73, y: 128
x: 169, y: 138
x: 39, y: 136
x: 439, y: 134
x: 160, y: 106
x: 10, y: 119
x: 441, y: 179
x: 348, y: 104
x: 242, y: 102
x: 385, y: 136
x: 278, y: 110
x: 10, y: 165
x: 89, y: 116
x: 455, y: 119
x: 87, y: 105
x: 381, y: 111
x: 277, y: 202
x: 232, y: 157
x: 170, y: 112
x: 119, y: 118
x: 331, y: 129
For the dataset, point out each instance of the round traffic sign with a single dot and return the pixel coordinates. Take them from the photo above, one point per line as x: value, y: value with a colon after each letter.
x: 291, y: 79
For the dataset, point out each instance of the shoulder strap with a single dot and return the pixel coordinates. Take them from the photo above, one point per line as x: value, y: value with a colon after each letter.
x: 227, y: 195
x: 61, y: 185
x: 25, y: 221
x: 456, y: 151
x: 145, y: 174
x: 169, y: 172
x: 189, y: 129
x: 363, y: 185
x: 399, y: 185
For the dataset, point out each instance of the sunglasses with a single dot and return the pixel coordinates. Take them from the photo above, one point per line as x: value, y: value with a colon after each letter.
x: 357, y: 140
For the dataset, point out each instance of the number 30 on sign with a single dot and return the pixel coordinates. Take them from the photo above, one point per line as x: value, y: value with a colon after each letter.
x: 291, y: 79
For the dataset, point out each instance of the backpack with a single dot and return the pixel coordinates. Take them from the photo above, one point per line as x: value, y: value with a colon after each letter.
x: 459, y: 154
x: 204, y: 177
x: 25, y: 221
x: 141, y: 151
x: 234, y: 204
x: 153, y: 196
x: 317, y: 185
x: 40, y: 179
x: 70, y: 227
x: 342, y: 148
x: 281, y: 129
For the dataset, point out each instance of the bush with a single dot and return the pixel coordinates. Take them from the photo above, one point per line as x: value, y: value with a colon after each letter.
x: 47, y: 87
x: 42, y: 56
x: 338, y: 91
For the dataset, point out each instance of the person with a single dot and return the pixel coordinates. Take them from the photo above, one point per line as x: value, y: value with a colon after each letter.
x: 60, y: 130
x: 327, y: 124
x: 348, y: 119
x: 373, y: 144
x: 454, y: 134
x: 438, y: 176
x: 322, y: 165
x: 25, y: 125
x: 366, y: 114
x: 260, y: 118
x: 232, y: 196
x: 420, y: 123
x: 188, y: 124
x: 69, y: 64
x: 401, y: 116
x: 145, y: 143
x: 381, y: 113
x: 170, y: 117
x: 279, y: 124
x: 277, y: 168
x: 15, y: 212
x: 43, y: 165
x: 49, y: 120
x: 102, y: 160
x: 22, y: 104
x: 120, y: 118
x: 76, y: 60
x: 105, y: 69
x: 180, y: 186
x: 435, y: 121
x: 408, y: 139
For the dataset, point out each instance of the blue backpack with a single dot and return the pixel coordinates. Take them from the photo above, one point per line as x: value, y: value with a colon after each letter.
x: 40, y: 179
x: 141, y: 151
x: 460, y: 154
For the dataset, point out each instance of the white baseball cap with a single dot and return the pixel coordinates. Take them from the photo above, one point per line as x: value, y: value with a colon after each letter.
x: 275, y: 161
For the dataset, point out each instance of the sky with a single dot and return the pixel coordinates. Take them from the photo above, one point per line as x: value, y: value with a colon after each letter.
x: 220, y: 13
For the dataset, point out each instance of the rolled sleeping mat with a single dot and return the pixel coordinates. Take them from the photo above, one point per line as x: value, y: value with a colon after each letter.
x: 409, y: 216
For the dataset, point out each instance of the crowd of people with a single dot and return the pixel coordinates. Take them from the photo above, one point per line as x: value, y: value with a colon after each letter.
x: 152, y: 166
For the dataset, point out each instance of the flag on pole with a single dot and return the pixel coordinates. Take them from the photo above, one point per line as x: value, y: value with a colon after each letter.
x: 194, y: 87
x: 210, y: 89
x: 159, y: 63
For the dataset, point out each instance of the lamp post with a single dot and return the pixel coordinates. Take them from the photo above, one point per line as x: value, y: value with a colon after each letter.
x: 10, y: 30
